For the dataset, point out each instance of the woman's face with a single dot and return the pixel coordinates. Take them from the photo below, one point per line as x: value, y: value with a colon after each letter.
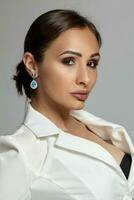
x: 69, y: 66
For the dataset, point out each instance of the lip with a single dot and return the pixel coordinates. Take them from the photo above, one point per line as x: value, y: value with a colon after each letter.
x: 80, y: 96
x: 81, y: 92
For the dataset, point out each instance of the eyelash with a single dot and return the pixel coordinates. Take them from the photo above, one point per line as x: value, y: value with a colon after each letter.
x: 66, y: 61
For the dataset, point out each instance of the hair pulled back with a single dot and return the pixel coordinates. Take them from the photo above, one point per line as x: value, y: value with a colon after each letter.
x: 43, y: 31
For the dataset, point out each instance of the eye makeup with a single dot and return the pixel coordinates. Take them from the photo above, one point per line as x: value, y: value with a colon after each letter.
x: 72, y: 60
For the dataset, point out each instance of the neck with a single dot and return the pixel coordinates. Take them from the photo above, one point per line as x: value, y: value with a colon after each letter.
x: 59, y: 115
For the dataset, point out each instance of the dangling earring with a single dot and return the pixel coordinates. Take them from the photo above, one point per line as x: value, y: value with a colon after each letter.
x: 34, y: 83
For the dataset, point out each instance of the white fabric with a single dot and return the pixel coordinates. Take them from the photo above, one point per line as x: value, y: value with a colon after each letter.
x: 42, y: 162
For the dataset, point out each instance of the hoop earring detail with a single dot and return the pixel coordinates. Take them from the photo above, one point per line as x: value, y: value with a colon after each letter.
x: 33, y: 84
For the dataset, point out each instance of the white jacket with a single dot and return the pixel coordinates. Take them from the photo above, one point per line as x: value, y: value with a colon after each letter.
x: 42, y: 162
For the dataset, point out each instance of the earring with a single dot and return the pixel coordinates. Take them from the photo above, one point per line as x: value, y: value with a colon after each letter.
x: 33, y: 83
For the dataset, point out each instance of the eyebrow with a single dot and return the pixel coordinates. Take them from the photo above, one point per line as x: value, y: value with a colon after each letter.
x: 79, y: 54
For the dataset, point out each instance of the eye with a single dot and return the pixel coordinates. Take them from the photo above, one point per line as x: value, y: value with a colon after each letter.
x: 93, y: 63
x: 68, y: 61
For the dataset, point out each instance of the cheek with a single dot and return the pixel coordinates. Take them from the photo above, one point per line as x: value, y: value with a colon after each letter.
x: 55, y: 76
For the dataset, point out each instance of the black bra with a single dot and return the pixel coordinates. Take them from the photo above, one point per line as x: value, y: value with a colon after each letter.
x: 126, y: 164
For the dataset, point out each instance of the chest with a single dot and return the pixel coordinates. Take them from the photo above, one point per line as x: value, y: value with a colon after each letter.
x: 84, y: 132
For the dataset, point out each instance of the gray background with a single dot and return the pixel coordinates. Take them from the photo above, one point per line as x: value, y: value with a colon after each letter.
x: 113, y: 97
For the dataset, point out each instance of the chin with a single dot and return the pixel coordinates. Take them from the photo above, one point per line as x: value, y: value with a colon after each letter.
x: 79, y: 106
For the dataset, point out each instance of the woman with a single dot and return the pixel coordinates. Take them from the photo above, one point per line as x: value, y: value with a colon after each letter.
x: 60, y: 150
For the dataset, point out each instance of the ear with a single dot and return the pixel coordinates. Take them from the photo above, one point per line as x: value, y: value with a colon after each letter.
x: 30, y: 63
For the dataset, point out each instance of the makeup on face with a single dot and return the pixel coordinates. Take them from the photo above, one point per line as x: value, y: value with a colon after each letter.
x: 92, y: 62
x: 69, y: 69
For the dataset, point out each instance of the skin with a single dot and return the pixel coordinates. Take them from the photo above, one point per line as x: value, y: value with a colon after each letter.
x: 58, y: 75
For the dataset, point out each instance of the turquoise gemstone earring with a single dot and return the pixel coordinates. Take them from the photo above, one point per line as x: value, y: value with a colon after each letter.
x: 33, y: 83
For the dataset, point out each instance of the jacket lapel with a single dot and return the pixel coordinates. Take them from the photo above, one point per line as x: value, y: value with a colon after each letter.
x: 116, y: 133
x: 85, y: 147
x: 107, y: 130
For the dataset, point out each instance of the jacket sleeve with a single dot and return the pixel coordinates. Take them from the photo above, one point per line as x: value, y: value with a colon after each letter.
x: 14, y: 180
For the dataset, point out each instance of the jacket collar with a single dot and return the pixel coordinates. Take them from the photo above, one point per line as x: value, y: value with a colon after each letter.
x: 41, y: 126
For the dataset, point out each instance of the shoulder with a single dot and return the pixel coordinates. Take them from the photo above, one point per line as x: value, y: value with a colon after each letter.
x: 16, y: 140
x: 26, y: 146
x: 12, y: 169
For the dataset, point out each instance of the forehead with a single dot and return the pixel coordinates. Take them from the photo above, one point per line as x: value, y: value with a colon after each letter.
x: 77, y: 39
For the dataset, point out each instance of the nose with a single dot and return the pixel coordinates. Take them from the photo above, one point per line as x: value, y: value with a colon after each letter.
x: 83, y: 76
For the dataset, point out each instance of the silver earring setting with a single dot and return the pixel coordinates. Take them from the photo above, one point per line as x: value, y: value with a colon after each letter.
x: 34, y: 84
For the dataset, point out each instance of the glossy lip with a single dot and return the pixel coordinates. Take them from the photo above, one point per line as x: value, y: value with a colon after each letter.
x: 80, y: 96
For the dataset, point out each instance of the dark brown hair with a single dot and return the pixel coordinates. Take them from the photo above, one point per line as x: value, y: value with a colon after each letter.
x: 43, y: 31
